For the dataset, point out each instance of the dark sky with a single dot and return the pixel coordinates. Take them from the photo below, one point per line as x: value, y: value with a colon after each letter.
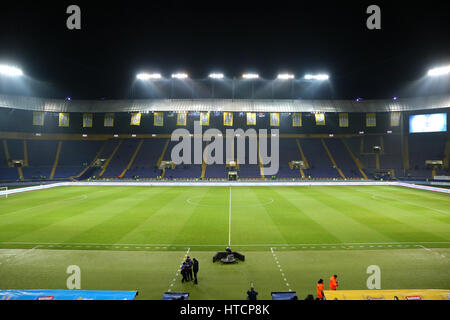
x: 120, y: 38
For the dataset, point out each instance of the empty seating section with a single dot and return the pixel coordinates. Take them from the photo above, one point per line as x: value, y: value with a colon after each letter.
x: 392, y: 157
x: 15, y: 148
x: 367, y: 160
x: 319, y: 162
x: 343, y: 159
x: 288, y: 152
x: 75, y: 156
x: 121, y: 158
x: 424, y: 147
x: 217, y: 171
x: 6, y: 173
x: 183, y: 171
x: 144, y: 164
x: 247, y: 170
x: 41, y: 156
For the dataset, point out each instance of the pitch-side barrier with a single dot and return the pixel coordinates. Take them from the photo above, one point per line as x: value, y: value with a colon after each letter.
x: 225, y: 184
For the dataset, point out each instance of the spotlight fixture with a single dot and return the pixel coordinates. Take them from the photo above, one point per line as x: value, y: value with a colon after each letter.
x: 250, y: 76
x: 10, y: 71
x: 318, y: 77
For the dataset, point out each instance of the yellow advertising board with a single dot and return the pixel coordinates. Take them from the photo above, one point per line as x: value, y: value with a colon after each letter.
x: 410, y: 294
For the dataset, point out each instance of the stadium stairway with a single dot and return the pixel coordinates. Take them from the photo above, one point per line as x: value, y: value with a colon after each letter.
x: 148, y: 157
x: 133, y: 157
x: 320, y: 165
x: 343, y: 159
x: 355, y: 159
x: 332, y: 159
x: 77, y: 157
x: 120, y: 158
x: 302, y: 154
x: 55, y: 164
x: 108, y: 153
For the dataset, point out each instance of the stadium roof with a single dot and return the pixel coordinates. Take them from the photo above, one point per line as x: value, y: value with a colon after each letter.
x: 236, y: 105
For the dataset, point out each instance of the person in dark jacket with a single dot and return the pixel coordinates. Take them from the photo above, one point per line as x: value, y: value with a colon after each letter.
x: 251, y: 294
x: 184, y: 271
x: 189, y: 269
x: 195, y: 269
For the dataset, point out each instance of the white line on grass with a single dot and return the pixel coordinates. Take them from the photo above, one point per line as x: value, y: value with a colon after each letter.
x: 310, y: 245
x: 433, y: 252
x: 176, y: 274
x: 281, y: 270
x: 229, y: 222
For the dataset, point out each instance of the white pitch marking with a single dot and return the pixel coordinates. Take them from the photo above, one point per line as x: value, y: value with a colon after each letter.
x: 229, y: 221
x: 176, y: 274
x: 281, y: 270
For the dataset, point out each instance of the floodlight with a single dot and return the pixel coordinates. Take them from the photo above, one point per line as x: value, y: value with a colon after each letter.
x: 319, y: 77
x: 216, y: 76
x: 179, y: 75
x: 10, y: 71
x: 250, y: 76
x: 148, y: 76
x: 439, y: 71
x: 285, y: 76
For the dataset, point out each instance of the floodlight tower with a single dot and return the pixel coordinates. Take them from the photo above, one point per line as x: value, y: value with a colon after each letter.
x: 440, y: 71
x: 214, y: 77
x: 10, y: 71
x: 251, y: 76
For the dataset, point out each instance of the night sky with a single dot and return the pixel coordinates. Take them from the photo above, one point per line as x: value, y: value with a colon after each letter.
x: 120, y: 38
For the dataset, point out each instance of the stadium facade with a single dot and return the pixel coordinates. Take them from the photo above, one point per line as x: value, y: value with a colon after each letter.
x: 50, y: 139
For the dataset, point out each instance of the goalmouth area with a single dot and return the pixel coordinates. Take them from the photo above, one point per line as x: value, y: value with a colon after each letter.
x: 133, y: 236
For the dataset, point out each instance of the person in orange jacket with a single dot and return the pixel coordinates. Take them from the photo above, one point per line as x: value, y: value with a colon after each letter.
x: 333, y: 282
x: 319, y: 290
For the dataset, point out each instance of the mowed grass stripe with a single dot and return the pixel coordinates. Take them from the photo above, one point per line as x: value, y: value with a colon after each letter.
x: 294, y: 224
x: 427, y: 219
x: 166, y: 222
x: 375, y: 215
x: 260, y: 216
x: 207, y: 222
x: 251, y: 221
x: 18, y: 227
x: 435, y: 208
x: 333, y: 219
x: 26, y: 204
x: 125, y: 214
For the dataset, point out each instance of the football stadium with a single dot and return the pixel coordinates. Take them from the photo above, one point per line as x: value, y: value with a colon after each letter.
x: 213, y: 187
x: 353, y: 189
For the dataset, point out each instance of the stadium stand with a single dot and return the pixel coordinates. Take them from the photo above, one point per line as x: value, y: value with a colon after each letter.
x: 135, y: 152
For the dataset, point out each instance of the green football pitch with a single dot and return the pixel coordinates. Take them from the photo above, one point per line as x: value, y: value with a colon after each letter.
x: 134, y: 238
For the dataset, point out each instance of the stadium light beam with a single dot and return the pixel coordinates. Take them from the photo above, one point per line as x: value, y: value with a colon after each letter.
x: 10, y: 71
x: 441, y: 71
x: 285, y: 76
x: 148, y: 76
x: 250, y: 76
x: 216, y: 75
x: 180, y: 76
x: 318, y: 77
